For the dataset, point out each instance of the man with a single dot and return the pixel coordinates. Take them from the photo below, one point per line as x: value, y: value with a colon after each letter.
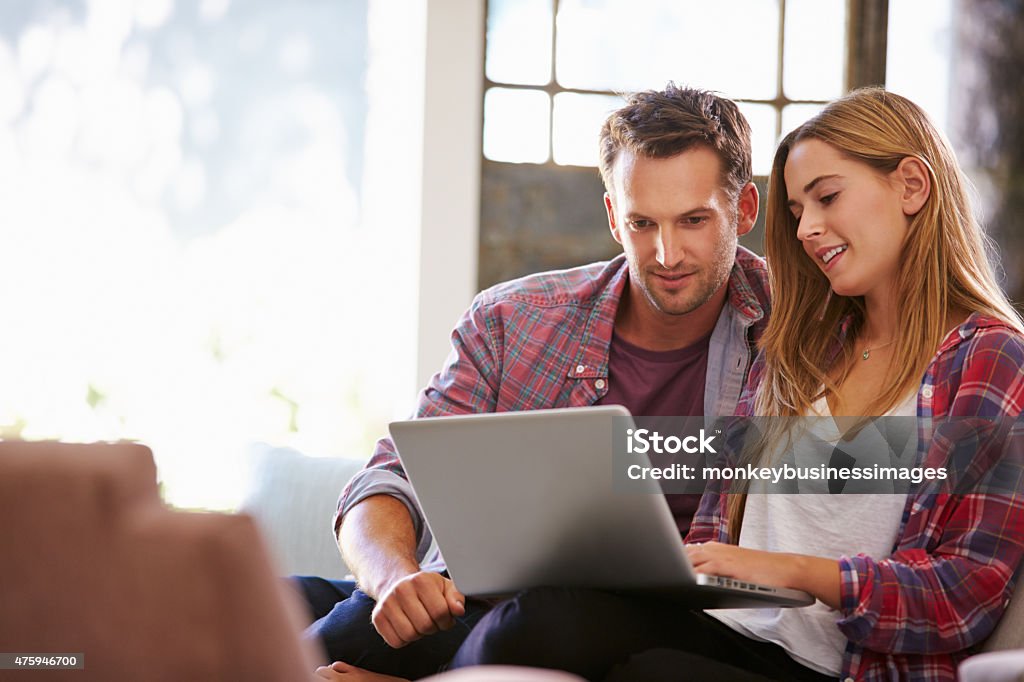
x: 682, y: 307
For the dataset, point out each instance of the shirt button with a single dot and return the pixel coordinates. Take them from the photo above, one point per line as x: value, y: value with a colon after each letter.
x: 580, y: 369
x: 927, y: 391
x: 599, y: 384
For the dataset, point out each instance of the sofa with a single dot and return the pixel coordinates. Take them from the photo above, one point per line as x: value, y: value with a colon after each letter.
x: 293, y: 496
x: 98, y: 570
x: 95, y: 563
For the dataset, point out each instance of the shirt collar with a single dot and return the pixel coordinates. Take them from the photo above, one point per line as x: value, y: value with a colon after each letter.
x: 742, y: 294
x: 592, y: 359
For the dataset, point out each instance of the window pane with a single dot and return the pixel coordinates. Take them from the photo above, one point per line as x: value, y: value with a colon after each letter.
x: 516, y: 125
x: 175, y: 290
x: 761, y: 118
x: 608, y: 44
x: 918, y: 61
x: 519, y: 41
x: 577, y: 126
x: 815, y: 42
x: 795, y: 114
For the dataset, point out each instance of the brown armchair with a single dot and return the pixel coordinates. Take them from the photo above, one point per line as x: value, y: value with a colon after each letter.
x: 94, y: 563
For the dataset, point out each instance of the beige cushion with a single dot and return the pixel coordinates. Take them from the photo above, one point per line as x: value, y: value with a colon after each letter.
x: 95, y: 564
x: 503, y: 673
x: 1000, y: 666
x: 1009, y: 634
x: 293, y: 497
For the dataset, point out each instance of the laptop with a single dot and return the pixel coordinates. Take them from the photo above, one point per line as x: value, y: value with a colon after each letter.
x: 525, y: 499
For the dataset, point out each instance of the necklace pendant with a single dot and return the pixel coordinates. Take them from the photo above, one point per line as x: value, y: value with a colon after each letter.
x: 866, y: 354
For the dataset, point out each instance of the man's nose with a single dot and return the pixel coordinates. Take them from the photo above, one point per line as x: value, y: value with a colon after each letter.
x: 669, y: 248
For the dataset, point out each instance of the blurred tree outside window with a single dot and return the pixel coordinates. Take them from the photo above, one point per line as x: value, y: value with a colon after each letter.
x: 187, y: 257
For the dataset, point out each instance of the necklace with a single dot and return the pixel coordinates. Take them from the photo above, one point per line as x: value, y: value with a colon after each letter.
x: 867, y: 351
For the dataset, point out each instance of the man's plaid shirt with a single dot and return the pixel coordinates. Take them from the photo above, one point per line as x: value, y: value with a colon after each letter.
x: 542, y: 342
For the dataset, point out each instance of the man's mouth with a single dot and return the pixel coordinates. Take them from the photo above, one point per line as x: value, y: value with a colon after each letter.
x: 673, y: 280
x: 672, y: 276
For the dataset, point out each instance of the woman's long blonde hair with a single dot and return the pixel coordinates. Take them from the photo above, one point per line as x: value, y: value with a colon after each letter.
x: 944, y: 266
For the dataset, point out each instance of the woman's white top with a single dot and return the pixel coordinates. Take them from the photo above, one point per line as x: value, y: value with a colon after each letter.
x: 821, y: 525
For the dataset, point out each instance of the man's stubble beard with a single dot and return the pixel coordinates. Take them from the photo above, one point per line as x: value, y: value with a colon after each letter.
x: 708, y: 283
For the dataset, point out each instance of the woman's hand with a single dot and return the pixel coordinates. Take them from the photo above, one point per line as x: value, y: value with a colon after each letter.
x: 756, y: 566
x: 816, y: 575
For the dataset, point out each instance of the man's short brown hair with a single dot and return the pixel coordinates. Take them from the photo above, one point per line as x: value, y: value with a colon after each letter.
x: 660, y: 124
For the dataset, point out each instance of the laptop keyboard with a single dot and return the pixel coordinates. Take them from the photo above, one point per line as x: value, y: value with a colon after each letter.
x: 738, y: 584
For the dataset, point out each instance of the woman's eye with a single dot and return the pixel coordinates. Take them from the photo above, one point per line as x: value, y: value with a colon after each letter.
x: 829, y: 198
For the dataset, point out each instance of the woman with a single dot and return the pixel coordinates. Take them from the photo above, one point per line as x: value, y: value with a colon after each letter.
x: 884, y: 303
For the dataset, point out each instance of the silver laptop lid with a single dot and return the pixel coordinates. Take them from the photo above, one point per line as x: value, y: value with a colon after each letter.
x: 525, y: 499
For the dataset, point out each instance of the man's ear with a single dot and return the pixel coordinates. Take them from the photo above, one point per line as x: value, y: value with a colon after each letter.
x: 915, y: 184
x: 746, y: 209
x: 611, y: 218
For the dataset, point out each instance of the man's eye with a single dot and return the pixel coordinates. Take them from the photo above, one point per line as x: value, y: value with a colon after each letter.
x: 640, y: 224
x: 696, y: 220
x: 829, y: 198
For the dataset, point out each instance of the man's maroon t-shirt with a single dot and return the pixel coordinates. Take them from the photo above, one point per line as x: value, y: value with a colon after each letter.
x: 660, y: 384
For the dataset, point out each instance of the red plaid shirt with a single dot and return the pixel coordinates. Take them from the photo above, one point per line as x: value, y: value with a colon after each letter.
x: 542, y: 342
x: 916, y: 614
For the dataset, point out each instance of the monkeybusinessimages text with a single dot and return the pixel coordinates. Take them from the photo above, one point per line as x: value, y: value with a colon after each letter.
x: 646, y: 442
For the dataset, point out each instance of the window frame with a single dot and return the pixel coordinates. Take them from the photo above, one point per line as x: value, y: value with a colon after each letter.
x: 866, y: 31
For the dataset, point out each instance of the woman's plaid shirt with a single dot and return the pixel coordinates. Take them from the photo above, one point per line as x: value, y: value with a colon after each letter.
x: 916, y: 614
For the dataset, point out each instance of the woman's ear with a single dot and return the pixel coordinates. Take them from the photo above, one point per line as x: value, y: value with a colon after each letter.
x: 914, y: 182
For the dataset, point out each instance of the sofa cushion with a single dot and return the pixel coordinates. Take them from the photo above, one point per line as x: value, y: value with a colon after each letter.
x: 1000, y: 666
x: 95, y: 564
x: 1009, y: 634
x: 293, y: 497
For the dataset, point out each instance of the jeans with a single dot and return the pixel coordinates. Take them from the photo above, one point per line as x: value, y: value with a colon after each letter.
x: 609, y: 637
x: 341, y: 622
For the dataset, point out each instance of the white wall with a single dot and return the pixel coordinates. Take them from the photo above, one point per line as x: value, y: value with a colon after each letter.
x: 451, y: 174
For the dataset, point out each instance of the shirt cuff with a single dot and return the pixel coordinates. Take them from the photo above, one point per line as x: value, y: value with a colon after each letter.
x: 370, y: 482
x: 849, y: 584
x: 853, y: 624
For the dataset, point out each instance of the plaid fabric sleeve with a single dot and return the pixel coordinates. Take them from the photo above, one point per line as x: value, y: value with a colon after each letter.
x: 946, y: 586
x: 990, y: 383
x: 466, y: 384
x: 709, y: 522
x: 928, y: 601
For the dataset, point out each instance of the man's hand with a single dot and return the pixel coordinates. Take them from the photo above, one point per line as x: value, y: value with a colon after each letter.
x: 379, y: 544
x: 417, y: 605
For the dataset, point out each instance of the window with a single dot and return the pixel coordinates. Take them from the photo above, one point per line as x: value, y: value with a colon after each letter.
x: 188, y: 209
x: 554, y: 68
x: 918, y: 64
